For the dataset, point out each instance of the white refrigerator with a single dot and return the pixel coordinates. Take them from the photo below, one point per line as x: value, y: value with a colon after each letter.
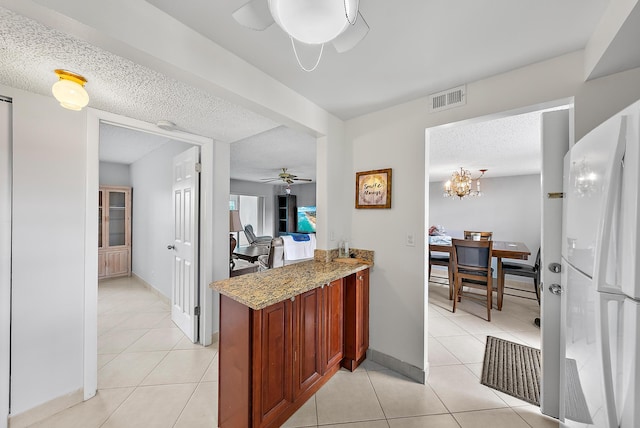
x: 601, y: 276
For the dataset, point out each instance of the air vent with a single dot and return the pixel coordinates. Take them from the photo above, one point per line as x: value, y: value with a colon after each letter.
x: 448, y: 99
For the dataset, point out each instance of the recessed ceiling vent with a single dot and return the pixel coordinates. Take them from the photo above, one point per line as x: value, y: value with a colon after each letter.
x: 448, y: 99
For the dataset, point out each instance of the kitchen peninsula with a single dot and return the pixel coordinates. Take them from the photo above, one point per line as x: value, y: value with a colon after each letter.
x: 284, y: 332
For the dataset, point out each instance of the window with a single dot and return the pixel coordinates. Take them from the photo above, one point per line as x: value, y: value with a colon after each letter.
x: 251, y: 209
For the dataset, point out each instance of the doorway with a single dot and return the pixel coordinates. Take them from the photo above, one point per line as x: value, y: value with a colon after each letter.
x: 517, y: 192
x: 207, y: 234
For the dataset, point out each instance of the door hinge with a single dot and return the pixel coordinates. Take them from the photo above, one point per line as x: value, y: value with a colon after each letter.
x: 555, y: 195
x: 196, y: 311
x: 198, y: 167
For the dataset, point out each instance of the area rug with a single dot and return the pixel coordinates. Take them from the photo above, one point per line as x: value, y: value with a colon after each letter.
x: 513, y: 369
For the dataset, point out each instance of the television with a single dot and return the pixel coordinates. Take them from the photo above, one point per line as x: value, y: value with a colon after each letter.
x: 306, y: 220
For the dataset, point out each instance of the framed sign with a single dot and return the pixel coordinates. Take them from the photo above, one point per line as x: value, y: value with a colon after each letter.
x: 373, y: 189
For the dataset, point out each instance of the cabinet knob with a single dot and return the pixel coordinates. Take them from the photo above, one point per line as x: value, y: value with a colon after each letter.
x: 361, y: 277
x: 171, y: 247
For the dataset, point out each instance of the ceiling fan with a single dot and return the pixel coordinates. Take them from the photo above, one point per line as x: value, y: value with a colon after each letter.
x: 286, y: 177
x: 311, y: 22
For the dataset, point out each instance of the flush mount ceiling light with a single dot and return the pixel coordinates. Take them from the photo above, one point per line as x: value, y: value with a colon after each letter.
x: 311, y: 22
x: 69, y: 90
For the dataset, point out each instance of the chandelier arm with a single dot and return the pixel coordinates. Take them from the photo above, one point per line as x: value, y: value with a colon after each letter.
x: 346, y: 12
x: 295, y: 51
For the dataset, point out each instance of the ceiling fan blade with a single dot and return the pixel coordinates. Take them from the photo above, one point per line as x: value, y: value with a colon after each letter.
x: 267, y: 180
x: 351, y: 36
x: 303, y: 179
x: 254, y: 15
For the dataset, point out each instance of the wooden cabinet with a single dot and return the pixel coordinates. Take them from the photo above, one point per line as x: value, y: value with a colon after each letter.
x: 307, y: 357
x: 274, y: 359
x: 114, y: 231
x: 333, y: 327
x: 273, y: 347
x: 287, y: 214
x: 356, y: 332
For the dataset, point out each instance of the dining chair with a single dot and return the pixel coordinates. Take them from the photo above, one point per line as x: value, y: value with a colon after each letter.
x: 442, y: 260
x: 472, y: 269
x: 524, y: 270
x: 478, y: 236
x: 275, y: 258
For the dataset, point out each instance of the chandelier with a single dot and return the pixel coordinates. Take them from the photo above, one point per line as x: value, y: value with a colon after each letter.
x: 460, y: 184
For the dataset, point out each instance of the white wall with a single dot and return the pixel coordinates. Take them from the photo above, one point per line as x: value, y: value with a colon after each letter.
x: 114, y: 174
x: 305, y: 193
x: 395, y: 138
x: 49, y: 168
x: 152, y: 215
x: 509, y: 207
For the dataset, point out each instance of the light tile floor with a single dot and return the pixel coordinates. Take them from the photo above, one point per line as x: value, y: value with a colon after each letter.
x: 150, y: 375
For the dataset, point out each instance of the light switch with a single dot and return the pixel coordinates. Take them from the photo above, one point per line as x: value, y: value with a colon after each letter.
x: 411, y: 242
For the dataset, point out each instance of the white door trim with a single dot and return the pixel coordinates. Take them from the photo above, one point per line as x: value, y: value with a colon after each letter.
x: 498, y: 115
x: 5, y: 264
x: 555, y: 133
x: 207, y: 235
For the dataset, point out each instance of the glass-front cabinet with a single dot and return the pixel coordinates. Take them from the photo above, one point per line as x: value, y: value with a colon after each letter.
x: 114, y: 231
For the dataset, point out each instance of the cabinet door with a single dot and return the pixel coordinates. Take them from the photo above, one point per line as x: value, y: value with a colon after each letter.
x: 362, y: 285
x: 272, y: 362
x: 102, y: 265
x: 101, y: 216
x: 307, y: 358
x: 117, y: 262
x: 333, y: 328
x: 118, y: 218
x: 356, y: 341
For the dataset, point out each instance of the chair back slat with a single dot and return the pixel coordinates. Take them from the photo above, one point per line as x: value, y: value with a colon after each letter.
x: 478, y: 236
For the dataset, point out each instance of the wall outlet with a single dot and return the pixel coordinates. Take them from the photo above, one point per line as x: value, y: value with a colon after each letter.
x: 411, y: 241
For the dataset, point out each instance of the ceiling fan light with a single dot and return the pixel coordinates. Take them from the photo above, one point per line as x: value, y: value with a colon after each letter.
x: 69, y: 90
x: 351, y: 36
x: 254, y: 15
x: 311, y: 21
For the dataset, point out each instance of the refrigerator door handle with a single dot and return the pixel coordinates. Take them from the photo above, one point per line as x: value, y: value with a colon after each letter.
x: 605, y: 353
x: 603, y: 239
x: 600, y: 272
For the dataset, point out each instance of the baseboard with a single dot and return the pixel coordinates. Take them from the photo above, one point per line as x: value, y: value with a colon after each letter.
x: 154, y: 290
x: 215, y: 337
x: 402, y: 367
x: 45, y: 410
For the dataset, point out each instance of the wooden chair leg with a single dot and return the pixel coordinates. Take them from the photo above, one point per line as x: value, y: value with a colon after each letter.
x: 489, y: 303
x: 535, y: 284
x: 451, y: 283
x: 455, y: 296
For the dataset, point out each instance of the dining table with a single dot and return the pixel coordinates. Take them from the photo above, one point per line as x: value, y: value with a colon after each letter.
x: 500, y: 250
x: 251, y: 253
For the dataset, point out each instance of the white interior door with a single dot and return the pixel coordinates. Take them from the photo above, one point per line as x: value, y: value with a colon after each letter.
x: 185, y: 297
x: 555, y: 144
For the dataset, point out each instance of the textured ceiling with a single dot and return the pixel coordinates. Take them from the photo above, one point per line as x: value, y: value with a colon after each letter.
x: 30, y: 51
x: 505, y: 147
x: 426, y: 47
x: 124, y: 145
x: 271, y: 151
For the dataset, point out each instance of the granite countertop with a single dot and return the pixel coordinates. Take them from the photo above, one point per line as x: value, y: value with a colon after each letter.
x: 261, y: 289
